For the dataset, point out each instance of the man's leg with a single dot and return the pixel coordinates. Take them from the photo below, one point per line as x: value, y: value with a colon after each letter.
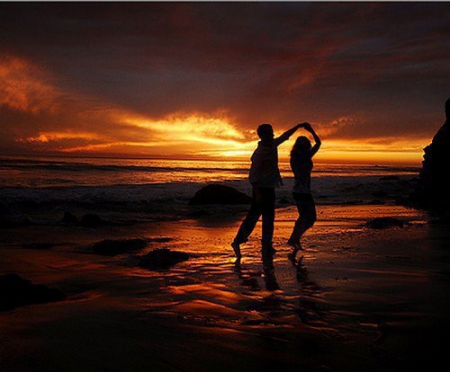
x: 268, y: 217
x: 249, y: 222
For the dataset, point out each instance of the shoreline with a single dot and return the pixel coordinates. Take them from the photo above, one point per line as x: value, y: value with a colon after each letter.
x: 361, y: 298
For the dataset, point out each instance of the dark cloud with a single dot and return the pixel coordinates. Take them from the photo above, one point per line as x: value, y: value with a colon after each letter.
x: 383, y: 66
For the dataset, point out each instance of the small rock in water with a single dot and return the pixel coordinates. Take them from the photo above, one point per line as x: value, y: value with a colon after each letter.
x: 111, y: 247
x: 39, y: 246
x: 384, y: 222
x: 284, y: 201
x: 162, y: 258
x: 69, y: 219
x: 11, y: 223
x: 389, y: 178
x: 16, y: 292
x: 90, y: 220
x: 162, y: 239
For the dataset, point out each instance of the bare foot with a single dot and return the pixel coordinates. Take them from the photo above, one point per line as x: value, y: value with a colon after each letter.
x: 291, y: 256
x: 295, y: 244
x: 237, y: 249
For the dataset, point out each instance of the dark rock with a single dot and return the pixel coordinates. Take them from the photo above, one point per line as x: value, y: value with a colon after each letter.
x: 384, y: 222
x: 375, y: 202
x: 90, y: 220
x: 380, y: 193
x: 284, y: 201
x: 434, y: 183
x: 353, y: 202
x: 389, y: 178
x: 16, y: 292
x: 39, y: 246
x: 160, y: 240
x: 219, y: 194
x: 12, y: 223
x: 199, y: 213
x: 110, y: 247
x: 162, y: 259
x: 69, y: 219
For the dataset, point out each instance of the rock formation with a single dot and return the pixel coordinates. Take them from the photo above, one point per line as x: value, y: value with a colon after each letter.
x: 219, y: 194
x: 16, y: 292
x: 433, y: 191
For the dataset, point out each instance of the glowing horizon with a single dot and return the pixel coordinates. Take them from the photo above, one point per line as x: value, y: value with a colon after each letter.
x: 196, y: 135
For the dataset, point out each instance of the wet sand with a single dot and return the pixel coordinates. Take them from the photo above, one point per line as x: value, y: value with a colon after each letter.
x: 357, y: 299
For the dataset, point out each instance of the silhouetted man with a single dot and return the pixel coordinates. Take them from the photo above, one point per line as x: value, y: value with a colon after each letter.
x: 264, y: 177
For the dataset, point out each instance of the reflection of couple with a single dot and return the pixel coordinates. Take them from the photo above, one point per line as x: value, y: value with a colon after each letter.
x: 265, y: 177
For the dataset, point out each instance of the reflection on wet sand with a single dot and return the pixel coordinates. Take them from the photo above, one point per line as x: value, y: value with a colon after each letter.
x: 353, y: 298
x: 269, y: 272
x: 278, y: 301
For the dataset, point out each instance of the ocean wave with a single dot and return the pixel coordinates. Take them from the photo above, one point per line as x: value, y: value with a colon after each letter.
x: 82, y: 167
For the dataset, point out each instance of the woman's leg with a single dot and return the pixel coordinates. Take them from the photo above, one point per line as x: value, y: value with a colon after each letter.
x: 307, y: 217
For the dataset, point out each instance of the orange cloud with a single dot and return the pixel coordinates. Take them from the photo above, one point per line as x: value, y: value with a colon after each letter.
x: 46, y: 137
x: 84, y: 125
x: 23, y: 86
x: 190, y: 134
x: 339, y: 123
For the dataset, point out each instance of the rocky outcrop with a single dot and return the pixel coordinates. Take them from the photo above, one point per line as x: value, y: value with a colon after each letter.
x: 89, y: 220
x: 12, y: 223
x: 113, y: 247
x: 433, y: 191
x: 219, y: 194
x: 162, y: 258
x: 384, y: 223
x: 16, y: 292
x: 69, y: 219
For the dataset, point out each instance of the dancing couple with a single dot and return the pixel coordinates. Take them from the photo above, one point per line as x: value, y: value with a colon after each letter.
x: 265, y: 177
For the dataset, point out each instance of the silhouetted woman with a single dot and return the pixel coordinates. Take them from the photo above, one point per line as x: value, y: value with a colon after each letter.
x: 301, y: 164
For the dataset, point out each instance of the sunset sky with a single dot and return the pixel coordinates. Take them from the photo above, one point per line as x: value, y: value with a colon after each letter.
x: 195, y: 79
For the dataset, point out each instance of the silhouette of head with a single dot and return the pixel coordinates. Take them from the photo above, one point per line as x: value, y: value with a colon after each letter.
x: 265, y: 132
x: 301, y: 147
x: 302, y: 144
x: 447, y: 108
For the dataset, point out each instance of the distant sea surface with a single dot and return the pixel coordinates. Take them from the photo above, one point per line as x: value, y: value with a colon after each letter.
x: 31, y: 172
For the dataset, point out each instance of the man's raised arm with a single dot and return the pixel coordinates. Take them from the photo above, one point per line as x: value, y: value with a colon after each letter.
x: 285, y: 136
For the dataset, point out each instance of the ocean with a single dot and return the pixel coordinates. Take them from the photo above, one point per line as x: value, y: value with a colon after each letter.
x: 163, y: 187
x: 27, y: 172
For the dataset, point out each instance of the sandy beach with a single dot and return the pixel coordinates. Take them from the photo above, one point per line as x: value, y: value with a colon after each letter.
x: 357, y: 299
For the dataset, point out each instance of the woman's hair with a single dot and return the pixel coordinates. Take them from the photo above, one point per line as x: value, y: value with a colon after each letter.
x: 301, y: 147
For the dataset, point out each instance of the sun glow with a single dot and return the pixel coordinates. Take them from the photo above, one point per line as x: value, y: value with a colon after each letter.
x: 384, y: 151
x: 197, y: 133
x: 209, y: 137
x: 194, y: 127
